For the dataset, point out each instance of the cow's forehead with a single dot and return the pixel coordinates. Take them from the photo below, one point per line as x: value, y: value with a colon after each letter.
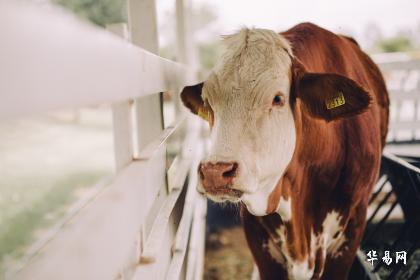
x: 254, y: 60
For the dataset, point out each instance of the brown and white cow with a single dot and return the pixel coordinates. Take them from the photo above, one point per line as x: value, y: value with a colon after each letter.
x: 298, y: 123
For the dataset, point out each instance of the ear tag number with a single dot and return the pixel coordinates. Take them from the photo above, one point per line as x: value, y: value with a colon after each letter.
x: 335, y: 102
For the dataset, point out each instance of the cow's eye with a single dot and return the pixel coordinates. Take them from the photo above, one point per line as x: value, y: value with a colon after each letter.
x: 278, y: 100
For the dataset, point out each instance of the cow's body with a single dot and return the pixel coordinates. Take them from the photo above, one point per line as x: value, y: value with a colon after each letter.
x: 299, y: 121
x: 331, y: 175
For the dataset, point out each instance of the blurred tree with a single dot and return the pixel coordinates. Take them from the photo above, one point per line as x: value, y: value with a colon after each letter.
x: 397, y: 43
x: 100, y: 12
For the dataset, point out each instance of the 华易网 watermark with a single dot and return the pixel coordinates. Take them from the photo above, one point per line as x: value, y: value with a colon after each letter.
x: 400, y: 257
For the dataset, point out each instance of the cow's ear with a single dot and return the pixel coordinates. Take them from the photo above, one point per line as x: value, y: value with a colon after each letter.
x: 191, y: 97
x: 331, y: 96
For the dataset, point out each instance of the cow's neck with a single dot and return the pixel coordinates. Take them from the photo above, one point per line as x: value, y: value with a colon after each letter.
x: 306, y: 223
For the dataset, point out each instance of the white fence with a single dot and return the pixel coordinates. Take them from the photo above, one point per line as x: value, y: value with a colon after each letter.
x: 149, y: 222
x: 402, y: 75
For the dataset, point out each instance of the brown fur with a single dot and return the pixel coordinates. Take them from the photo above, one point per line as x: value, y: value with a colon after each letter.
x: 335, y: 163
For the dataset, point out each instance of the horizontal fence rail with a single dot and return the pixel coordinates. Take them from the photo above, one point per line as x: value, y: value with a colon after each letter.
x: 51, y: 60
x: 148, y: 222
x: 403, y: 81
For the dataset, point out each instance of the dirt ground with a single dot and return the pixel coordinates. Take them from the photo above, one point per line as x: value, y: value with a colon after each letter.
x: 227, y: 255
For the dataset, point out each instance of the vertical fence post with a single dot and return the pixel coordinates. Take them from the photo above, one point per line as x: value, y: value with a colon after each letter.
x: 186, y: 50
x: 121, y: 116
x: 143, y: 30
x: 148, y: 110
x: 187, y: 53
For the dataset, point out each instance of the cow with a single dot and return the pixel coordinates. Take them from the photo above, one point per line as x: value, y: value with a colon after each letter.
x: 298, y: 122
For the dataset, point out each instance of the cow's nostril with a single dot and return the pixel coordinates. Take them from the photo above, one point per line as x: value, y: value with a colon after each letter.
x: 231, y: 172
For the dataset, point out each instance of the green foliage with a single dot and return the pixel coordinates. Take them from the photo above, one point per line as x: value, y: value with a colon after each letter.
x: 395, y: 44
x: 100, y: 12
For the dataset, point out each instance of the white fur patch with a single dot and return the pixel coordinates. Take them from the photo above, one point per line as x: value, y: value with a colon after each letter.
x: 284, y: 209
x: 325, y: 241
x: 247, y: 128
x: 300, y: 271
x: 273, y: 249
x: 336, y: 249
x: 296, y: 270
x: 330, y: 227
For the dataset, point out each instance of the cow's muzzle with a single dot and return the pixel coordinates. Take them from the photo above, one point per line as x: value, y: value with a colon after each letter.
x: 217, y: 178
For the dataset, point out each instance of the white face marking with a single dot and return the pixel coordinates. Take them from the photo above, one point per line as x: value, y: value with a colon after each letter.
x: 247, y: 129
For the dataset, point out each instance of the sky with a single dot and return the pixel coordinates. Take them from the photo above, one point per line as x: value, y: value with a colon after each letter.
x: 350, y: 16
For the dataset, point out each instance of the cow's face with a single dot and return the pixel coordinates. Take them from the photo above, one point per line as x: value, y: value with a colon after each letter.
x: 248, y: 103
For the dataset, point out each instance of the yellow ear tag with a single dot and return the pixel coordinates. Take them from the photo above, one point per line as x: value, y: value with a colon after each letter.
x: 203, y: 113
x: 335, y: 101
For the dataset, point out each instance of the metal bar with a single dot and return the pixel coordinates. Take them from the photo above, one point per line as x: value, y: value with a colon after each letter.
x: 396, y: 242
x: 401, y: 162
x: 383, y: 201
x: 378, y: 187
x: 369, y: 273
x: 416, y: 274
x: 400, y: 265
x: 382, y: 221
x: 385, y: 217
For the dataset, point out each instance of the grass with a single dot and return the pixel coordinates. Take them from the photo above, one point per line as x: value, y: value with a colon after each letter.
x: 19, y: 231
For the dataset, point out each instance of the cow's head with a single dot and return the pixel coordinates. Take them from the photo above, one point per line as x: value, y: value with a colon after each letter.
x: 249, y: 101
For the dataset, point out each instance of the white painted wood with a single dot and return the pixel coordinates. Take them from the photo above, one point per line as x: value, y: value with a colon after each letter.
x: 151, y: 148
x: 200, y: 218
x: 143, y: 24
x: 122, y: 118
x: 157, y: 270
x: 123, y: 138
x: 194, y: 246
x: 148, y: 109
x: 404, y: 84
x: 186, y: 49
x: 408, y: 125
x: 182, y: 237
x: 404, y: 95
x: 96, y: 243
x: 406, y: 64
x: 71, y: 64
x: 181, y: 31
x: 199, y: 233
x: 153, y: 242
x: 57, y: 227
x: 50, y: 60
